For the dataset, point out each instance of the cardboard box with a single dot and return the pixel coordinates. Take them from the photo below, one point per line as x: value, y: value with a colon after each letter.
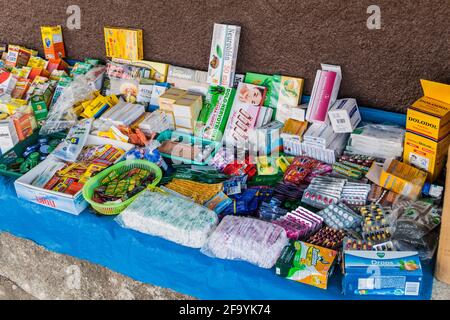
x: 430, y: 115
x: 223, y: 56
x: 7, y: 82
x: 324, y: 92
x: 52, y: 40
x: 158, y: 70
x: 56, y: 200
x: 124, y: 43
x: 269, y: 138
x: 8, y: 135
x: 214, y: 115
x: 382, y: 273
x: 426, y: 154
x: 168, y: 98
x: 398, y: 177
x: 194, y: 81
x: 344, y: 116
x: 306, y: 263
x: 442, y: 271
x: 286, y: 91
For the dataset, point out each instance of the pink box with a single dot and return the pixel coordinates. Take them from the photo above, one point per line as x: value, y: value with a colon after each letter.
x: 324, y: 93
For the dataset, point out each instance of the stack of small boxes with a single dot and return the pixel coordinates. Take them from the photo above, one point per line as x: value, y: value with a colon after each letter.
x: 428, y: 129
x: 182, y: 107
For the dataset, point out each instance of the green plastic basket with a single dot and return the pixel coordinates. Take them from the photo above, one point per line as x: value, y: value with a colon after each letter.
x: 121, y: 167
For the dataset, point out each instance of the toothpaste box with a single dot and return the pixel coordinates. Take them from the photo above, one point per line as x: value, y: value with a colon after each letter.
x: 223, y: 56
x: 344, y: 116
x: 382, y: 273
x: 324, y: 92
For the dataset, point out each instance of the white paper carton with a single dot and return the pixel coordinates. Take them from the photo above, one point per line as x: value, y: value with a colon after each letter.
x: 8, y: 136
x: 56, y: 200
x: 224, y: 50
x: 344, y: 116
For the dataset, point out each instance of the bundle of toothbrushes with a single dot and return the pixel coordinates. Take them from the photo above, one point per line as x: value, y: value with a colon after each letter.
x: 173, y: 218
x: 247, y: 239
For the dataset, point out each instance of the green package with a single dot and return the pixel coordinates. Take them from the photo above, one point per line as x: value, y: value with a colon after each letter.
x: 216, y: 110
x: 285, y: 91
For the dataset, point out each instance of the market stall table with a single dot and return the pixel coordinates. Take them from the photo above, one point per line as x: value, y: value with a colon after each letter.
x: 159, y: 262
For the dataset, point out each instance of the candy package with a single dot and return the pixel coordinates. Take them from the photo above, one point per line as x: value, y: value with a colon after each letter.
x: 172, y: 218
x: 247, y: 239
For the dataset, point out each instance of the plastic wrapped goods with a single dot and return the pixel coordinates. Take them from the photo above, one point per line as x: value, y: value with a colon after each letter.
x: 172, y: 218
x: 62, y: 116
x: 247, y: 239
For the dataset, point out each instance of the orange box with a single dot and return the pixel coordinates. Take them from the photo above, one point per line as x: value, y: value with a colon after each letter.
x: 52, y: 40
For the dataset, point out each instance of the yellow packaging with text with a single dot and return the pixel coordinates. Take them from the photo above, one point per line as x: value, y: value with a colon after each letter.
x: 402, y: 179
x: 430, y: 115
x: 52, y: 39
x: 124, y: 43
x: 426, y: 154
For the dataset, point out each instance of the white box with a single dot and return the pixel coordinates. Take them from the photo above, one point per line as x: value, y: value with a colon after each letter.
x: 223, y: 56
x: 8, y: 136
x: 57, y: 200
x: 194, y: 81
x: 344, y: 115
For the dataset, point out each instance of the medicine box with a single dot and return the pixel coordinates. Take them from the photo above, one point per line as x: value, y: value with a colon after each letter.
x: 223, y: 56
x: 52, y: 39
x: 306, y: 263
x: 124, y: 43
x: 344, y: 116
x: 382, y: 273
x: 194, y: 81
x: 430, y: 115
x: 324, y: 92
x: 56, y: 200
x: 8, y: 135
x: 426, y: 154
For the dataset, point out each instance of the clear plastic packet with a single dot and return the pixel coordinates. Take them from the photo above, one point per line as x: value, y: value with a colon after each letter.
x: 173, y: 218
x: 71, y: 147
x: 248, y: 239
x: 62, y: 117
x: 416, y: 227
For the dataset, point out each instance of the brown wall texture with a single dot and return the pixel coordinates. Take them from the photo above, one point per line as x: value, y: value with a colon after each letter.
x: 381, y: 68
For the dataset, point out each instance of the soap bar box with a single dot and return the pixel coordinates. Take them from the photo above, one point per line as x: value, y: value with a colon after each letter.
x: 382, y: 273
x: 57, y: 200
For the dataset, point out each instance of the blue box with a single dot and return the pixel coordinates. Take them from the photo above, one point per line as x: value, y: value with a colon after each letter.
x: 385, y: 273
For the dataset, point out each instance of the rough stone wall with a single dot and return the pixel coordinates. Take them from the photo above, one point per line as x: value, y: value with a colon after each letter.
x: 381, y: 68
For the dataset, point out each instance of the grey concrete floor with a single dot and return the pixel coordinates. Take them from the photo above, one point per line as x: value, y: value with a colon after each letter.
x: 29, y: 271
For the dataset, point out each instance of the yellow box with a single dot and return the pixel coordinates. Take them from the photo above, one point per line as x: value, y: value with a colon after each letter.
x: 52, y: 40
x: 426, y: 154
x: 124, y: 43
x: 402, y: 179
x: 430, y: 115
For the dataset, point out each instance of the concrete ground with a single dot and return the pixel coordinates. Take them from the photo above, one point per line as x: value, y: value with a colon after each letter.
x: 29, y: 271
